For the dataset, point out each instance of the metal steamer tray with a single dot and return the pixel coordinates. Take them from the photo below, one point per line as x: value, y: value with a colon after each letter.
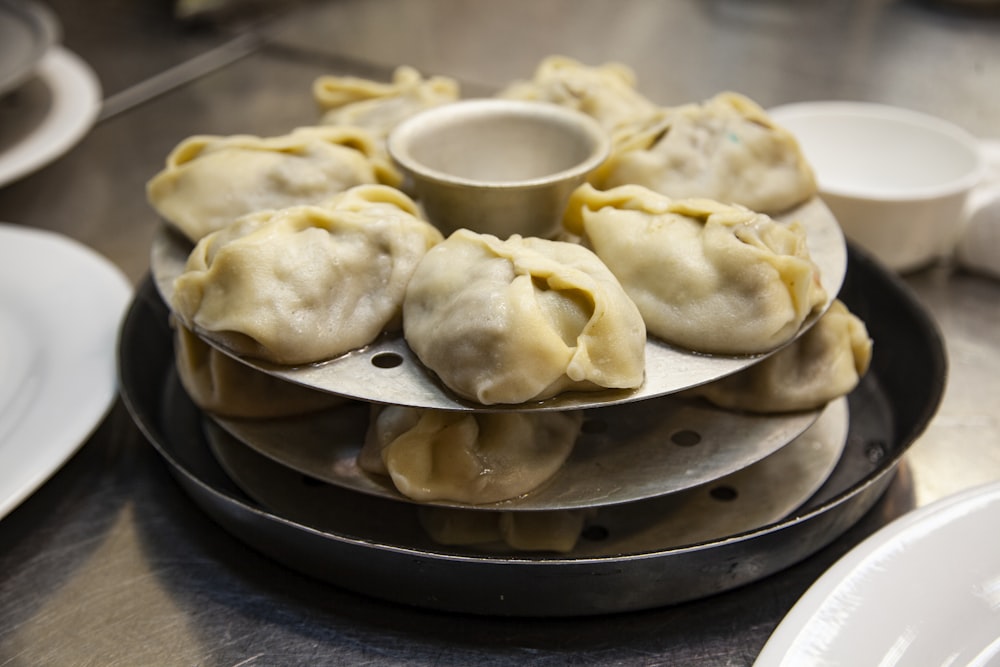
x: 387, y: 370
x: 623, y: 453
x: 373, y: 545
x: 753, y: 496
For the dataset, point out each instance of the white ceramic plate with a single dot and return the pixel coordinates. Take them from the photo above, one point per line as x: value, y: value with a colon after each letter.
x: 923, y: 590
x: 48, y: 114
x: 60, y: 308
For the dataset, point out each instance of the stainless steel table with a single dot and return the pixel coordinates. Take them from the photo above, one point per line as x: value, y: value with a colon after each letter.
x: 110, y: 563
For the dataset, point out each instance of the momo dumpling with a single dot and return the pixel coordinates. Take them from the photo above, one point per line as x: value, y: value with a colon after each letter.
x: 209, y: 181
x: 522, y: 319
x: 305, y: 283
x: 824, y: 363
x: 706, y: 276
x: 606, y: 93
x: 223, y: 386
x: 555, y: 530
x: 473, y: 458
x: 726, y: 149
x: 378, y: 107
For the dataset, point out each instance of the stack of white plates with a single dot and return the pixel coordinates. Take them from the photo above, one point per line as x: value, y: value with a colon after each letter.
x: 49, y: 97
x: 60, y: 301
x: 60, y: 308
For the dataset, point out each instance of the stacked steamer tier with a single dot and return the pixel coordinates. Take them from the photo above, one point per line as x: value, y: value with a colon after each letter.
x: 623, y: 453
x: 660, y: 496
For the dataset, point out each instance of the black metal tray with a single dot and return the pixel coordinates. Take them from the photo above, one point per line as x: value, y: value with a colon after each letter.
x: 890, y: 408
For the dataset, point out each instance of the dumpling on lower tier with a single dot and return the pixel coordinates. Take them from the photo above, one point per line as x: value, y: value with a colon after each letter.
x: 472, y: 458
x: 825, y: 363
x: 223, y: 386
x: 209, y: 181
x: 706, y: 276
x: 556, y: 530
x: 522, y: 319
x: 726, y: 149
x: 306, y: 283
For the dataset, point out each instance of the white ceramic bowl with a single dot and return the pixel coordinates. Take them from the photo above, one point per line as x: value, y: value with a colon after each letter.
x: 896, y: 179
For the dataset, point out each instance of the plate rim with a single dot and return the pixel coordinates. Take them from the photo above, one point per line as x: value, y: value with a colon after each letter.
x: 98, y: 281
x: 76, y: 103
x: 869, y: 556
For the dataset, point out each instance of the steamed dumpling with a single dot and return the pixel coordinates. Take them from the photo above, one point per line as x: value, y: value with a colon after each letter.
x: 726, y: 149
x: 466, y: 457
x: 379, y: 107
x: 522, y: 319
x: 606, y: 93
x: 223, y: 386
x: 825, y: 363
x: 706, y: 276
x: 555, y: 530
x: 210, y: 181
x: 305, y: 283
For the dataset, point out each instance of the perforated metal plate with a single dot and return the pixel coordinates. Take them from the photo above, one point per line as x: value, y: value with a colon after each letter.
x: 744, y: 500
x: 625, y: 453
x: 387, y: 371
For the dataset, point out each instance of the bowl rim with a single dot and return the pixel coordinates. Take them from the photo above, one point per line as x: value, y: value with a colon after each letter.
x: 401, y: 137
x: 873, y: 110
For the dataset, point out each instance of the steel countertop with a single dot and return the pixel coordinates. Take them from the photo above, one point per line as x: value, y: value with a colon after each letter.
x: 110, y: 562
